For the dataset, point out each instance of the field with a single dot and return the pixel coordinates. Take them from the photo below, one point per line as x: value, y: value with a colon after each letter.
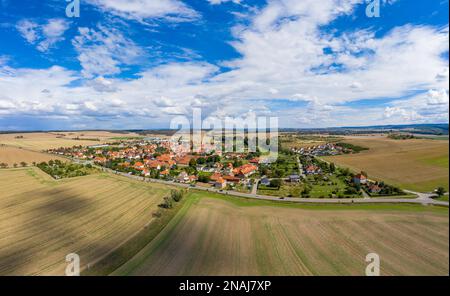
x: 290, y: 140
x: 12, y: 155
x: 217, y: 235
x: 44, y: 141
x: 418, y: 164
x: 42, y: 220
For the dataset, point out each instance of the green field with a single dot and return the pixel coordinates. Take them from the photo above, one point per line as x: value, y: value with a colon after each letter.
x: 319, y: 189
x: 420, y: 165
x: 220, y: 235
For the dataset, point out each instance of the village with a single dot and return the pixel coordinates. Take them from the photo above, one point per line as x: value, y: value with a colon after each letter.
x: 295, y: 173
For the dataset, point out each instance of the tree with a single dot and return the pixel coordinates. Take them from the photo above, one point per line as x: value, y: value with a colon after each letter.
x: 23, y: 163
x: 192, y: 162
x: 276, y: 183
x: 167, y: 203
x: 440, y: 191
x: 176, y: 195
x: 15, y: 165
x: 204, y: 178
x: 306, y: 191
x: 332, y: 167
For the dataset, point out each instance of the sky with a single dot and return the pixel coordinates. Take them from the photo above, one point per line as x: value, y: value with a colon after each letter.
x: 137, y: 64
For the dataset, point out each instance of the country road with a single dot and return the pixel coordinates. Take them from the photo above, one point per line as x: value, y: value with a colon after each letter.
x: 422, y: 198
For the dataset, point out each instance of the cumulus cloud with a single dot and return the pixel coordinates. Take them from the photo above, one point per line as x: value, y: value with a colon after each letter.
x: 142, y: 10
x: 428, y: 107
x: 45, y: 35
x: 102, y: 51
x: 284, y: 53
x: 215, y: 2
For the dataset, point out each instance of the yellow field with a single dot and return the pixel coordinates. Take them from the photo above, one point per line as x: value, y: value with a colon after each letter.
x: 12, y: 155
x: 44, y: 141
x: 290, y: 141
x: 418, y: 164
x: 42, y: 220
x: 226, y: 236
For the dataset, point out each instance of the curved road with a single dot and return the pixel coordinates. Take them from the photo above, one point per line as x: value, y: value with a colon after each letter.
x: 422, y: 198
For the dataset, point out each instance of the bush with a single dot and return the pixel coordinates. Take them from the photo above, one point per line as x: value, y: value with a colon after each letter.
x: 167, y: 203
x: 275, y: 183
x: 176, y: 195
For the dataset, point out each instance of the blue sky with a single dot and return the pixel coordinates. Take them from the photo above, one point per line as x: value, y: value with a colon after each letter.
x: 139, y: 63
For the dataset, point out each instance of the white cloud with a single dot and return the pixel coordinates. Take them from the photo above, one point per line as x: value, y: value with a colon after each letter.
x: 46, y: 35
x: 215, y: 2
x: 428, y: 107
x: 28, y: 30
x: 141, y: 10
x: 438, y: 97
x: 282, y: 56
x: 104, y: 51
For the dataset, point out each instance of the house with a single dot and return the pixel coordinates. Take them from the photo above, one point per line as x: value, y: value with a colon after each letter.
x: 254, y: 160
x: 265, y: 182
x: 312, y: 170
x: 183, y: 161
x: 183, y: 177
x: 359, y: 179
x: 245, y: 170
x: 139, y: 165
x: 220, y: 183
x: 154, y: 164
x: 216, y: 176
x: 164, y: 158
x: 294, y: 178
x: 100, y: 160
x: 124, y: 164
x: 374, y: 188
x: 145, y: 172
x: 164, y: 173
x: 192, y: 178
x: 232, y: 179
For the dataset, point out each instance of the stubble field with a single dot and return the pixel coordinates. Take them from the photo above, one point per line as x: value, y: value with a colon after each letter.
x: 42, y: 220
x: 50, y: 140
x: 219, y: 236
x: 14, y: 155
x: 418, y: 164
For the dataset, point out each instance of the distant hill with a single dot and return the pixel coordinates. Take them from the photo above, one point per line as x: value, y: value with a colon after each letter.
x: 425, y: 129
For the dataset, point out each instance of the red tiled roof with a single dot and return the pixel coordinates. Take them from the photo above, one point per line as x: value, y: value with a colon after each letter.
x: 215, y: 177
x: 360, y: 177
x: 245, y: 169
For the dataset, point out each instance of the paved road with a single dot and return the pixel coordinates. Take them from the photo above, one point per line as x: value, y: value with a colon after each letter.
x: 255, y: 186
x: 422, y: 198
x: 419, y: 200
x: 300, y: 167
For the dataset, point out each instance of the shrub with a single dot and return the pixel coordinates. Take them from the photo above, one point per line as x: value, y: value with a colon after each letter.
x: 167, y: 203
x: 176, y: 195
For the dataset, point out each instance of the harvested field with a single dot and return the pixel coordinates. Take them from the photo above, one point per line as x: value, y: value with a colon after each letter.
x: 12, y: 155
x: 44, y: 141
x: 215, y: 235
x: 42, y: 220
x: 417, y: 164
